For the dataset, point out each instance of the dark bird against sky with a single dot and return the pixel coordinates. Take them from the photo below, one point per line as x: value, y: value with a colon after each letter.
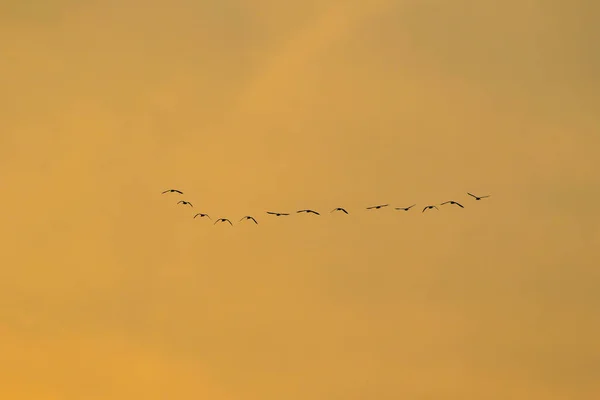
x: 308, y: 212
x: 172, y: 191
x: 223, y: 220
x: 201, y: 215
x: 429, y: 208
x: 377, y: 207
x: 277, y: 214
x: 339, y: 209
x: 478, y: 197
x: 405, y: 208
x: 452, y: 202
x: 249, y: 217
x: 185, y: 203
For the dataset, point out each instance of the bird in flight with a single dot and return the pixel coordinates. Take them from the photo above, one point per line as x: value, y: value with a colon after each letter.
x: 172, y: 191
x: 339, y: 209
x: 478, y: 197
x: 405, y: 208
x: 452, y: 202
x: 249, y: 217
x: 202, y: 215
x: 308, y: 212
x: 185, y: 203
x: 377, y: 207
x: 278, y: 214
x: 429, y: 208
x: 223, y: 220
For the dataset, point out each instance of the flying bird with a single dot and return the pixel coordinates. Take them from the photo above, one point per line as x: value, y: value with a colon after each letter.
x: 202, y: 215
x: 249, y: 217
x: 172, y: 191
x: 308, y: 212
x: 452, y: 202
x: 377, y: 207
x: 405, y: 208
x: 185, y: 203
x: 478, y: 197
x: 430, y: 207
x: 278, y: 214
x: 339, y: 209
x: 223, y: 220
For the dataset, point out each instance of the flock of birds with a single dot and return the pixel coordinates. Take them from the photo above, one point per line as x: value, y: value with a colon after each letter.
x: 308, y: 211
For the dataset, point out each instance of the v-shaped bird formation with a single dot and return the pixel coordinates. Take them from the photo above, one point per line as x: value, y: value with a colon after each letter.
x: 309, y: 211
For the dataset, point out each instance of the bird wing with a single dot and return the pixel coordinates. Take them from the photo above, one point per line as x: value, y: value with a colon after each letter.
x: 472, y: 195
x: 436, y: 208
x: 242, y: 219
x: 425, y: 209
x: 284, y: 214
x: 166, y: 191
x: 272, y: 213
x: 411, y: 207
x: 179, y: 191
x: 345, y: 211
x: 191, y: 205
x: 460, y: 205
x: 483, y: 197
x: 446, y: 202
x: 254, y: 220
x: 299, y: 211
x: 316, y: 213
x: 229, y: 222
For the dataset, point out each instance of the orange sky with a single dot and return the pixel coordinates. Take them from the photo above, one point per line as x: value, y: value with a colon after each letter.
x: 110, y: 290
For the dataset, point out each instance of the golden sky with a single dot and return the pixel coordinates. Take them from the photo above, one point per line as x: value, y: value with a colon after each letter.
x: 110, y: 290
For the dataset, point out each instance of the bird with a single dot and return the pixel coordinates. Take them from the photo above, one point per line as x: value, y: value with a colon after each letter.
x: 452, y: 202
x: 278, y: 214
x: 478, y: 197
x: 308, y: 212
x: 430, y: 207
x: 249, y: 217
x: 339, y: 209
x: 202, y: 215
x: 185, y: 203
x: 172, y: 191
x: 405, y: 208
x: 377, y: 207
x: 223, y: 220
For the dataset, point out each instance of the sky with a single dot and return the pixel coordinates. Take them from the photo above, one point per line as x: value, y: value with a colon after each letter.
x: 111, y: 290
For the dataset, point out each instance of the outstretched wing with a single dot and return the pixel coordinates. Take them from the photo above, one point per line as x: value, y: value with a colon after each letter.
x: 254, y: 220
x: 472, y: 195
x: 344, y: 211
x: 458, y: 204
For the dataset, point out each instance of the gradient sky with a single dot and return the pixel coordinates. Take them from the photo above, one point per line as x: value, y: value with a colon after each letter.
x: 110, y: 290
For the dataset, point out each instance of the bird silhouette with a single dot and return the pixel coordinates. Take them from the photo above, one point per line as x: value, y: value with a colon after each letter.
x: 377, y: 207
x: 172, y: 191
x: 452, y: 202
x: 478, y: 197
x: 185, y: 203
x: 308, y: 212
x: 405, y: 208
x: 430, y: 207
x: 249, y: 217
x: 339, y: 209
x: 277, y: 214
x: 223, y: 220
x: 202, y: 215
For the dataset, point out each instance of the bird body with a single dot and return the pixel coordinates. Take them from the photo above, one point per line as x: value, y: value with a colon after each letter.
x: 277, y: 214
x: 405, y: 208
x: 377, y: 207
x: 452, y: 202
x: 308, y: 212
x: 339, y: 209
x: 478, y: 197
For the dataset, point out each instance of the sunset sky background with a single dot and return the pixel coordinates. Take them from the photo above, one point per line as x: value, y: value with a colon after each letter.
x: 110, y: 290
